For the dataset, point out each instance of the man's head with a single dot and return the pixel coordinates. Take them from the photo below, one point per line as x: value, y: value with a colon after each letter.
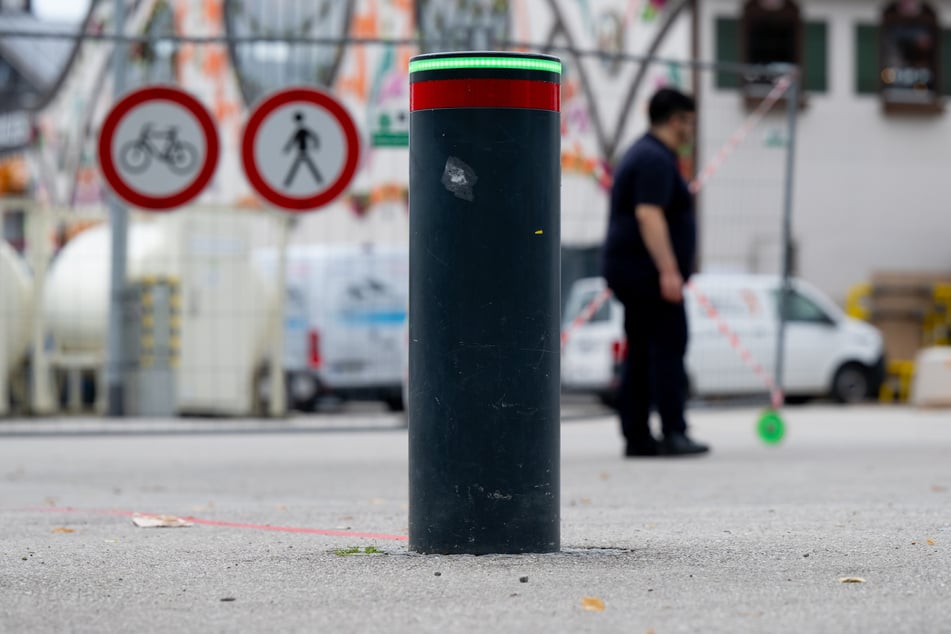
x: 673, y: 116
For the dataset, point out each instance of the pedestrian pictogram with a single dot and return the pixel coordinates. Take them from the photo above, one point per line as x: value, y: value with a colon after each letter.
x: 300, y: 149
x: 158, y: 148
x: 302, y: 140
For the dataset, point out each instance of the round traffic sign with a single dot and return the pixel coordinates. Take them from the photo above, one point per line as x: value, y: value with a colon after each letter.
x: 158, y: 148
x: 300, y: 149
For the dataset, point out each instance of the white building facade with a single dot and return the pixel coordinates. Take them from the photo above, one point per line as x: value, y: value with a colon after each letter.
x: 872, y: 189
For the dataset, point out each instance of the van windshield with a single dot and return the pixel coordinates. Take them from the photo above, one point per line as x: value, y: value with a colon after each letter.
x: 801, y: 309
x: 580, y: 301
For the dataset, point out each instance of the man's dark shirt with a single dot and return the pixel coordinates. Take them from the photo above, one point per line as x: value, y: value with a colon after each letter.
x: 647, y: 174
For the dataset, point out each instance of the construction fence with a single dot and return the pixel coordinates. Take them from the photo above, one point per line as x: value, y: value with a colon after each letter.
x: 205, y: 320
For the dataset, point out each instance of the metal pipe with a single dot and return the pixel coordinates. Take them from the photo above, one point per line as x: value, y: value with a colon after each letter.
x: 119, y: 222
x: 792, y: 117
x: 277, y: 404
x: 770, y: 70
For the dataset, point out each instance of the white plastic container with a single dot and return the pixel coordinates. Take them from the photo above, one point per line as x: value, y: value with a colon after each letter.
x: 931, y: 386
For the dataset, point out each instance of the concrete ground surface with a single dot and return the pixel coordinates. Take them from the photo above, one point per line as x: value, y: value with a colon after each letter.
x: 749, y: 539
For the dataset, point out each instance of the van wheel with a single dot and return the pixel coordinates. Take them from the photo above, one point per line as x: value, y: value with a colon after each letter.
x: 851, y: 384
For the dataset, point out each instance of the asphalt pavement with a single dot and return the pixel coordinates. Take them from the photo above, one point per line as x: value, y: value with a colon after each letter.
x: 299, y: 525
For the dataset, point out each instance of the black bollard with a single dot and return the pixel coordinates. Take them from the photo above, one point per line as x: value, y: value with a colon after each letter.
x: 484, y: 338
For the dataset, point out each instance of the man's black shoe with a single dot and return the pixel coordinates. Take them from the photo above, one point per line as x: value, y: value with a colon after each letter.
x: 643, y: 449
x: 681, y: 445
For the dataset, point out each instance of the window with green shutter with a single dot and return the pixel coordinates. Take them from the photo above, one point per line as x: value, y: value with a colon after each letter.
x: 816, y: 58
x: 728, y: 51
x: 814, y: 52
x: 946, y: 62
x: 867, y: 66
x: 905, y: 59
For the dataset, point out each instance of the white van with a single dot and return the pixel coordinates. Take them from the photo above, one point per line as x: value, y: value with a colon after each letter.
x: 343, y: 322
x: 826, y: 352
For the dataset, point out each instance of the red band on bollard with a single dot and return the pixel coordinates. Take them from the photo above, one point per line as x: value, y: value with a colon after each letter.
x: 484, y: 93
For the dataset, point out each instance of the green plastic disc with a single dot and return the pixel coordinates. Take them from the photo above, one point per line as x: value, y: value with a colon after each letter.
x: 770, y: 427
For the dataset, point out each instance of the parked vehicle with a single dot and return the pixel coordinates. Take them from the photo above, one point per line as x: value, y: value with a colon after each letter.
x: 826, y: 353
x: 344, y: 322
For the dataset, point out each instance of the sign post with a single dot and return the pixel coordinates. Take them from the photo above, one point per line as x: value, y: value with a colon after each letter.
x: 300, y: 150
x: 484, y: 412
x: 158, y: 149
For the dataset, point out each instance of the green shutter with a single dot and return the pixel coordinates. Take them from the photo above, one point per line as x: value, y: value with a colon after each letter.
x: 867, y: 64
x: 728, y: 51
x: 945, y: 62
x: 816, y: 57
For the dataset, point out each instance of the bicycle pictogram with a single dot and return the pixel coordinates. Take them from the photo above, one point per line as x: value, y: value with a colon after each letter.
x: 136, y: 156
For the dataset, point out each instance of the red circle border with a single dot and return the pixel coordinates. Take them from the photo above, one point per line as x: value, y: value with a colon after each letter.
x: 261, y: 112
x: 115, y: 116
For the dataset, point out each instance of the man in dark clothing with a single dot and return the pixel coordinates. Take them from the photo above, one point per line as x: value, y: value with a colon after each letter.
x: 648, y: 255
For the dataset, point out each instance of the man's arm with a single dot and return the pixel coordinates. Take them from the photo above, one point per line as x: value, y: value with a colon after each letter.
x: 656, y: 237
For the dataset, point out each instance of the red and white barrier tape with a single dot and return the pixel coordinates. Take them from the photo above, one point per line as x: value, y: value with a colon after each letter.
x: 586, y: 314
x: 782, y: 85
x: 776, y: 394
x: 605, y: 177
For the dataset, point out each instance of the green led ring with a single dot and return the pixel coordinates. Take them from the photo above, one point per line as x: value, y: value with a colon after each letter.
x: 507, y: 63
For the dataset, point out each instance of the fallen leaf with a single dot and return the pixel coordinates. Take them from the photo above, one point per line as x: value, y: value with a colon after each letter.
x: 159, y: 521
x: 49, y: 501
x: 605, y: 475
x: 281, y: 507
x: 931, y: 541
x: 63, y: 529
x: 937, y: 488
x: 650, y: 631
x: 851, y: 580
x: 377, y: 501
x: 592, y: 604
x: 586, y: 500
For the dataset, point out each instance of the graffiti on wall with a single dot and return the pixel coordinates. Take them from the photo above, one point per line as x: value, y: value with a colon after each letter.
x: 602, y: 95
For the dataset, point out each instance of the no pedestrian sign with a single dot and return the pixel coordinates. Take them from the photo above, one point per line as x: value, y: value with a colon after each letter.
x: 300, y: 149
x: 158, y: 148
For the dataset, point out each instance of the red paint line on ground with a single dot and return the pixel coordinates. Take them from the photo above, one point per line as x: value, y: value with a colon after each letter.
x: 223, y: 524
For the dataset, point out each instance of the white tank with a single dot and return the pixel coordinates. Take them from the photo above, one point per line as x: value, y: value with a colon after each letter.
x: 227, y: 309
x: 16, y: 307
x: 76, y: 297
